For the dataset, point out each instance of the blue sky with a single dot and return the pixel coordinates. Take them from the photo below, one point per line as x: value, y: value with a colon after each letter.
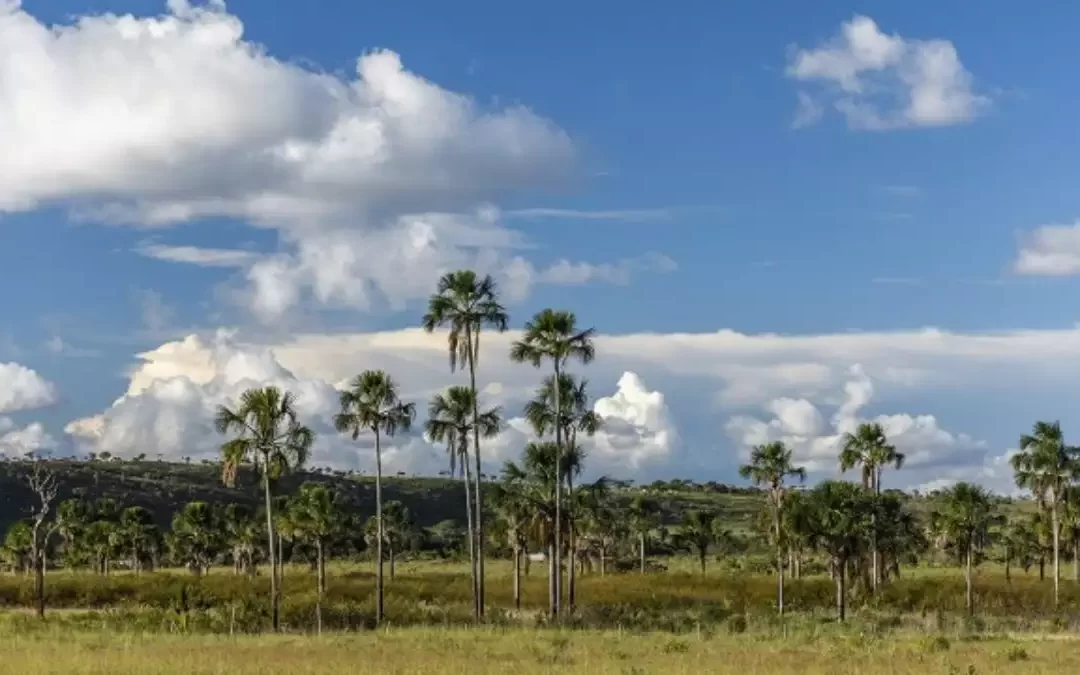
x: 684, y: 172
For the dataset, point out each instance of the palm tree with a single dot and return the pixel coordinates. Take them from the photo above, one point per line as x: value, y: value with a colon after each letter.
x: 576, y: 416
x: 268, y: 435
x: 837, y: 519
x: 1070, y: 527
x: 241, y: 531
x: 869, y: 447
x: 1046, y: 466
x: 140, y: 535
x: 534, y: 482
x: 466, y: 304
x: 966, y: 517
x: 196, y: 537
x: 516, y: 512
x: 371, y: 403
x: 644, y: 517
x: 451, y: 420
x: 554, y: 335
x: 318, y: 516
x: 698, y: 532
x: 770, y: 466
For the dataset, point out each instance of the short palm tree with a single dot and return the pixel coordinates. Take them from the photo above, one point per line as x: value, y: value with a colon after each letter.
x: 317, y: 516
x: 452, y: 420
x: 1046, y: 466
x: 770, y: 467
x: 554, y: 335
x: 699, y: 532
x: 466, y: 303
x: 644, y: 518
x: 870, y: 448
x: 371, y: 404
x: 967, y: 516
x: 268, y: 435
x: 837, y: 519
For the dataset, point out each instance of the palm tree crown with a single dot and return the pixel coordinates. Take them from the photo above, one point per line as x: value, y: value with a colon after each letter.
x: 869, y: 447
x: 371, y: 403
x: 465, y: 303
x: 268, y: 434
x: 554, y: 335
x: 450, y: 421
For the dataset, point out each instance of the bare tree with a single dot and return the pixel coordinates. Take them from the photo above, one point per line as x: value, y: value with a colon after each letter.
x: 43, y: 483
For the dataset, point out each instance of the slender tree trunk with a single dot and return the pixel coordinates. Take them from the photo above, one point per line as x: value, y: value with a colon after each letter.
x: 551, y: 575
x: 968, y: 598
x: 1042, y: 568
x: 1076, y: 560
x: 558, y: 490
x: 517, y: 575
x: 571, y: 581
x: 1008, y: 563
x: 1057, y: 549
x: 472, y: 531
x: 641, y: 550
x: 280, y: 557
x: 320, y: 580
x: 380, y: 531
x: 841, y: 591
x: 320, y: 561
x: 392, y: 561
x: 874, y: 562
x: 797, y: 568
x: 39, y: 580
x: 701, y: 559
x: 274, y: 613
x: 474, y: 348
x: 779, y: 564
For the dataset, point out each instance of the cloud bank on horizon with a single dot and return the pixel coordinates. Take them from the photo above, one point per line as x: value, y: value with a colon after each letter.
x: 153, y: 122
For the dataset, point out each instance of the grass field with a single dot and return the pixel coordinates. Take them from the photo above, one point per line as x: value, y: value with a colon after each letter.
x: 408, y: 651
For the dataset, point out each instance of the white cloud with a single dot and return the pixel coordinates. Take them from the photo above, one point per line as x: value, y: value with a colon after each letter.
x: 23, y: 389
x: 1050, y: 250
x: 168, y: 409
x: 57, y: 345
x: 158, y: 120
x: 203, y: 257
x: 799, y: 424
x: 880, y: 81
x: 17, y: 443
x: 801, y: 388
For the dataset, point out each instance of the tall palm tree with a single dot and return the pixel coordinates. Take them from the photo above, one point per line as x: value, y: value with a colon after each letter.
x: 870, y: 448
x: 452, y: 420
x: 554, y: 335
x: 371, y: 404
x: 576, y: 416
x: 966, y: 517
x: 770, y: 466
x: 268, y: 435
x: 466, y: 304
x: 1046, y: 466
x: 644, y: 517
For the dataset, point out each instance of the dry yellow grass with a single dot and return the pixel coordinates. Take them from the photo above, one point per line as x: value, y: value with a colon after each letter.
x: 522, y: 652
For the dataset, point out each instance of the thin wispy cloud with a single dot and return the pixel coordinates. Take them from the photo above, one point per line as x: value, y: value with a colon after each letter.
x: 626, y: 215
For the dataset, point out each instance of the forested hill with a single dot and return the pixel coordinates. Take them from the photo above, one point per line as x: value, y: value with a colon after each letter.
x: 164, y: 487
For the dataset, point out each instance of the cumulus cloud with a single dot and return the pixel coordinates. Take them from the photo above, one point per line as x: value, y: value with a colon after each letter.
x: 881, y: 81
x: 169, y: 405
x: 1050, y: 250
x: 17, y: 443
x: 23, y: 389
x: 159, y: 120
x: 800, y: 425
x: 674, y: 392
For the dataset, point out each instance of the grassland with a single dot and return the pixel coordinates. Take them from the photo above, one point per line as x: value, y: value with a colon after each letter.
x: 473, y: 651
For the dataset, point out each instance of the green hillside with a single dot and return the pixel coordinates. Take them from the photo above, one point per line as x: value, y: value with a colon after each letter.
x: 163, y: 487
